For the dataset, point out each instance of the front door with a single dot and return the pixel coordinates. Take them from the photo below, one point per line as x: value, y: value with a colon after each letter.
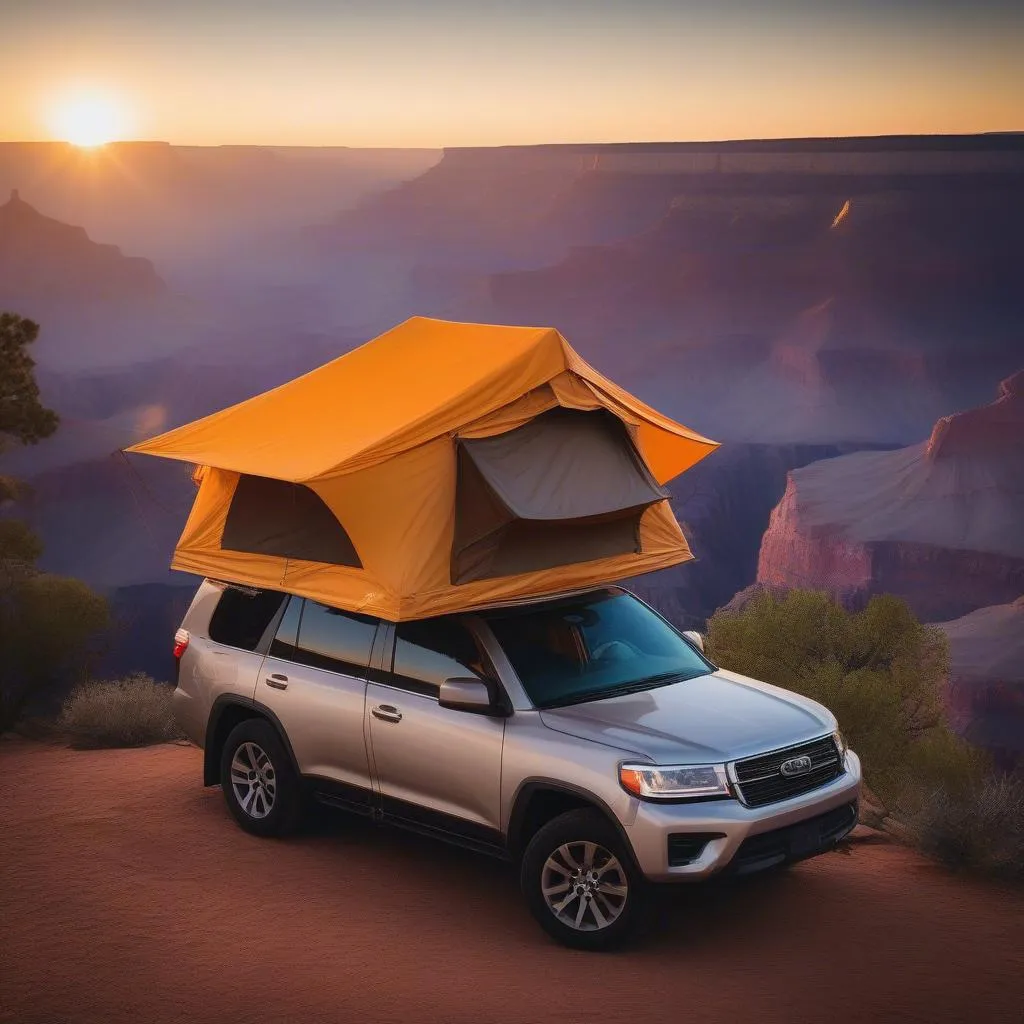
x: 314, y: 680
x: 434, y: 767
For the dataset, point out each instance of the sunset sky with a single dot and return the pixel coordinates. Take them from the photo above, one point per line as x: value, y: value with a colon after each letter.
x: 441, y: 72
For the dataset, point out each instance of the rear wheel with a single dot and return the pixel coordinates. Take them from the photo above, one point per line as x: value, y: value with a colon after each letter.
x: 261, y: 786
x: 580, y: 883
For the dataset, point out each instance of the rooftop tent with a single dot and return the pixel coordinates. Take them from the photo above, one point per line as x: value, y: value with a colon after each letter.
x: 441, y: 467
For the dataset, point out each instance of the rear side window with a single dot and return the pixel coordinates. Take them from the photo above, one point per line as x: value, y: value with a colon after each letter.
x: 334, y: 640
x: 242, y: 616
x: 429, y: 651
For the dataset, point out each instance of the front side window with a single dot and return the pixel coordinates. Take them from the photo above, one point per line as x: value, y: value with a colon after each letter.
x: 429, y: 651
x: 334, y: 640
x: 591, y: 647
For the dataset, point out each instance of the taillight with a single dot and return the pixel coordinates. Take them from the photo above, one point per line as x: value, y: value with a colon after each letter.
x: 181, y: 639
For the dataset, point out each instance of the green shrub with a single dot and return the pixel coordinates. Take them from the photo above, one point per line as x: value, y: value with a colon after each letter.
x: 941, y: 761
x: 881, y: 673
x: 128, y: 712
x: 980, y: 829
x: 49, y: 626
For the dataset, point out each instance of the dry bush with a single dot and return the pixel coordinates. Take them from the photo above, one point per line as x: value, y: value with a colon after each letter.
x: 128, y: 712
x: 980, y: 830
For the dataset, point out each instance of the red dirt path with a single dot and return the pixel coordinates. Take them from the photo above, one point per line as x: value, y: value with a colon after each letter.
x: 129, y: 895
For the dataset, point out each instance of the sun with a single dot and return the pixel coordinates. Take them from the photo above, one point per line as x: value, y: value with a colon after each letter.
x: 88, y: 119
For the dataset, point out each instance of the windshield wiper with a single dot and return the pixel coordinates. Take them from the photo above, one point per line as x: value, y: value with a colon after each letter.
x: 663, y: 679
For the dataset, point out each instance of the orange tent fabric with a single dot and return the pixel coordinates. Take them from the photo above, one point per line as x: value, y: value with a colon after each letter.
x: 374, y: 437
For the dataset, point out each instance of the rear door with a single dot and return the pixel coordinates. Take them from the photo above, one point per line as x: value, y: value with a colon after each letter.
x: 435, y: 768
x: 314, y: 680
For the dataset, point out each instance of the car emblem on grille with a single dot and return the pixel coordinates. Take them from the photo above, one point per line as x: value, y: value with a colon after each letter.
x: 795, y: 766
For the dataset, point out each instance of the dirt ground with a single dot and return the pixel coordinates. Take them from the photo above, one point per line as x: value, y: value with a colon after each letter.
x: 129, y: 895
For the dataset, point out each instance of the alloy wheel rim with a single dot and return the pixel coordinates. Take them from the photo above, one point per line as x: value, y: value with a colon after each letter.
x: 253, y: 780
x: 584, y: 886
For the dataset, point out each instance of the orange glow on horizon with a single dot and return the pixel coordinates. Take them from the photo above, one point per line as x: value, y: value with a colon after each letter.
x: 88, y: 118
x: 315, y: 74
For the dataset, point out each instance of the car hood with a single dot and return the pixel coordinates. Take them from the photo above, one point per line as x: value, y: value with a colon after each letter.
x: 716, y: 717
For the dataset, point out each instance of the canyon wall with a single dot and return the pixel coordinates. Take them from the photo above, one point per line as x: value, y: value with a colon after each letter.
x: 44, y: 260
x: 985, y: 698
x: 723, y: 504
x: 940, y: 524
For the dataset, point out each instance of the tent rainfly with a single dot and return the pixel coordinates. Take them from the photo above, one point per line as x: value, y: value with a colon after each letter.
x: 438, y: 468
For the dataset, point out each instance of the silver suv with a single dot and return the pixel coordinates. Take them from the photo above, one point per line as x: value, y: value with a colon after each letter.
x: 583, y: 737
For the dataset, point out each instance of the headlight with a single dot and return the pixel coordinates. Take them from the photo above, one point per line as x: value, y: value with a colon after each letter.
x: 840, y: 743
x: 674, y: 782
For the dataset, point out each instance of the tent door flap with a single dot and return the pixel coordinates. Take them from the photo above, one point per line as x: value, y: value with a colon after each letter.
x: 567, y: 487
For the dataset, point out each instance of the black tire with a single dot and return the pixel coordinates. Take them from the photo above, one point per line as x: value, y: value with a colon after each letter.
x: 572, y: 830
x: 276, y: 777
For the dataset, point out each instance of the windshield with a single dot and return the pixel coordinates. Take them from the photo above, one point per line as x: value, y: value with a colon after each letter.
x: 593, y: 646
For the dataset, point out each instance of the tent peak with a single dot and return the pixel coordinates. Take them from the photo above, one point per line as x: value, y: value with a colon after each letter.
x: 421, y: 380
x: 418, y: 318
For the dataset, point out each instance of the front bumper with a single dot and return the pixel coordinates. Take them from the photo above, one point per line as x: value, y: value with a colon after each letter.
x: 732, y: 823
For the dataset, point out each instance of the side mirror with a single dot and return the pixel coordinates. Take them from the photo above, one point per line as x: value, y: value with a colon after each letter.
x: 469, y: 694
x: 695, y: 638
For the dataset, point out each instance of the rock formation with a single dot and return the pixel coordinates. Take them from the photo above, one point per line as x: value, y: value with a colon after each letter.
x: 723, y: 503
x: 939, y: 523
x: 45, y: 260
x: 986, y: 678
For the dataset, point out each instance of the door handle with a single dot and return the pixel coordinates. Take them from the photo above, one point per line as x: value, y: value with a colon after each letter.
x: 278, y: 681
x: 386, y: 713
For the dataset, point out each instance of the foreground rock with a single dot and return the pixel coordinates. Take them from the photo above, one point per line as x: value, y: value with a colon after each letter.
x: 938, y: 523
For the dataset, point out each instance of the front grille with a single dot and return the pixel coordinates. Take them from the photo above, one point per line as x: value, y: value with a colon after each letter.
x: 686, y: 847
x: 759, y: 780
x: 804, y: 839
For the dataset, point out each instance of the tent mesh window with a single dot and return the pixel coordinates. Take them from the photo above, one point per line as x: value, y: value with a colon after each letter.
x: 275, y: 517
x: 566, y: 487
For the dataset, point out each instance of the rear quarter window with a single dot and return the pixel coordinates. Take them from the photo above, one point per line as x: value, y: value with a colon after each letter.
x: 242, y: 616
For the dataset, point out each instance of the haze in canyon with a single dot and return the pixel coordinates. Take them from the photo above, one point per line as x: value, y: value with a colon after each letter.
x: 831, y: 310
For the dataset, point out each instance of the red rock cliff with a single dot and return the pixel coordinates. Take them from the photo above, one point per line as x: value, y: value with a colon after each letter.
x: 940, y: 524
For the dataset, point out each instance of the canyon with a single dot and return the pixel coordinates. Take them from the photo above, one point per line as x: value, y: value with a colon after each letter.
x: 806, y: 302
x: 176, y: 203
x: 938, y: 523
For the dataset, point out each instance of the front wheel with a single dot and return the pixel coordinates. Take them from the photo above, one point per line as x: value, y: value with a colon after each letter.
x: 261, y: 786
x: 580, y: 883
